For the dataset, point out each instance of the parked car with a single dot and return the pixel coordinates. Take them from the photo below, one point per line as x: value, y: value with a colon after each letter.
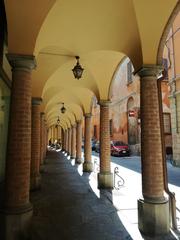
x: 119, y: 148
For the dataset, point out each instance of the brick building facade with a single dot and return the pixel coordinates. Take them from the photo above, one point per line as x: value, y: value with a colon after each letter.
x: 125, y: 120
x: 171, y: 57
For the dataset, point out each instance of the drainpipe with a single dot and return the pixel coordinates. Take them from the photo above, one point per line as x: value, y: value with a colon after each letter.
x: 172, y: 199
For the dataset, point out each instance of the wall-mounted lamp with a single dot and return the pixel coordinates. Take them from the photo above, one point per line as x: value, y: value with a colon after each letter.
x: 77, y: 70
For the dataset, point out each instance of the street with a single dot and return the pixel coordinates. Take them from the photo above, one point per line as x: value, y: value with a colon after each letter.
x: 125, y: 198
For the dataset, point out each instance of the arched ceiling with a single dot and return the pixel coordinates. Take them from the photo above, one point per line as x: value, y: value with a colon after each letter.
x: 79, y: 96
x: 152, y: 17
x: 101, y: 32
x: 24, y: 20
x: 67, y: 118
x: 74, y: 111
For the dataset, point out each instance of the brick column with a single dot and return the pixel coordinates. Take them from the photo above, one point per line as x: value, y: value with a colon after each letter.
x: 45, y: 138
x: 105, y: 177
x: 67, y: 136
x: 42, y: 138
x: 87, y: 165
x: 73, y: 142
x: 55, y: 132
x: 52, y: 133
x: 78, y: 142
x: 153, y: 209
x: 59, y: 133
x: 62, y: 140
x: 69, y: 141
x: 17, y: 210
x: 49, y: 134
x: 35, y: 144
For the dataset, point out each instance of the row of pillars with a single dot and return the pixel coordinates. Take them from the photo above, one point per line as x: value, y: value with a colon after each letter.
x: 72, y: 144
x: 23, y: 142
x: 26, y: 150
x: 153, y: 207
x: 54, y: 133
x: 38, y: 143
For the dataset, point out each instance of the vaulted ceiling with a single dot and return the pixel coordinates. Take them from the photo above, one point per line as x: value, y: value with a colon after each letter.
x: 101, y: 32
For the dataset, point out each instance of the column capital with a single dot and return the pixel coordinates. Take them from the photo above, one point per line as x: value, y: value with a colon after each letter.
x: 36, y: 101
x: 88, y: 115
x: 21, y: 62
x: 150, y: 70
x: 74, y: 125
x: 104, y: 103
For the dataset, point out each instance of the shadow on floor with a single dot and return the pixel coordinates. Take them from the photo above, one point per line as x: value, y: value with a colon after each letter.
x: 134, y: 163
x: 66, y: 208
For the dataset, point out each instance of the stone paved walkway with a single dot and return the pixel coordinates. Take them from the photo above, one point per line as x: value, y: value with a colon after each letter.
x: 66, y: 208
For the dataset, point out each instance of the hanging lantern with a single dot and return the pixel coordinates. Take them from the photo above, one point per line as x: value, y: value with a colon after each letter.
x: 77, y: 70
x: 63, y: 109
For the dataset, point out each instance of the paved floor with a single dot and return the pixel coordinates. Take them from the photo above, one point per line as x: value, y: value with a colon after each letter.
x: 130, y: 170
x: 68, y: 206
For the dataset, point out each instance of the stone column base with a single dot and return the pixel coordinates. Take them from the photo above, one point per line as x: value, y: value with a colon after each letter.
x: 72, y: 157
x: 88, y: 166
x: 105, y: 180
x: 35, y: 183
x: 153, y: 218
x: 78, y: 160
x: 15, y: 225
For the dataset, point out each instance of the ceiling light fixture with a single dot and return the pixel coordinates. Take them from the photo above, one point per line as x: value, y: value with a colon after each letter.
x: 77, y: 70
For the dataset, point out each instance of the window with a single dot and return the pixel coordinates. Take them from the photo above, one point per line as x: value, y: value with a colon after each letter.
x: 167, y: 123
x: 129, y: 72
x: 165, y: 71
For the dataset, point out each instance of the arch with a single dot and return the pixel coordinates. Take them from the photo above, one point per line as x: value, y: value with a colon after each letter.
x: 24, y: 22
x: 166, y: 32
x: 58, y: 21
x: 78, y: 96
x: 73, y: 108
x: 99, y: 68
x: 114, y: 76
x: 69, y: 116
x: 53, y: 72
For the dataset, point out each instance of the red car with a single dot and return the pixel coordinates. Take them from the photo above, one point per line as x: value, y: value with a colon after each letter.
x: 119, y: 148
